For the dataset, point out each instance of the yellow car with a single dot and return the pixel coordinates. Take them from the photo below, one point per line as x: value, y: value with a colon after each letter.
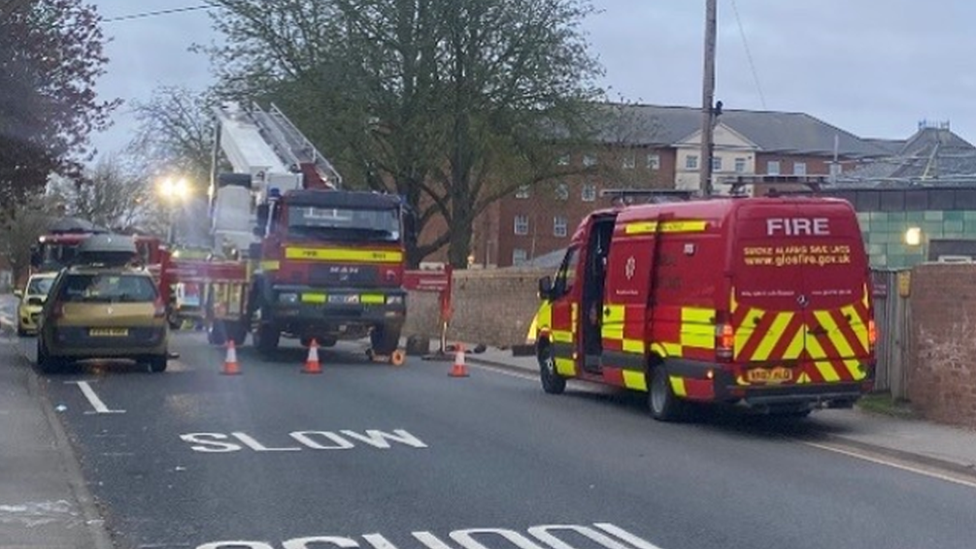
x: 31, y: 302
x: 103, y: 312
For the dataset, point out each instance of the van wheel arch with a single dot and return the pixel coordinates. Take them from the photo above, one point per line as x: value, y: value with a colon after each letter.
x: 663, y: 404
x: 552, y: 382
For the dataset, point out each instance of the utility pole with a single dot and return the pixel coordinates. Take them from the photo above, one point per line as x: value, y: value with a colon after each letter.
x: 708, y: 98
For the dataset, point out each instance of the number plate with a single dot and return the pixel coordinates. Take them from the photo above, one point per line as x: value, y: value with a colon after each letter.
x: 767, y: 375
x: 108, y: 332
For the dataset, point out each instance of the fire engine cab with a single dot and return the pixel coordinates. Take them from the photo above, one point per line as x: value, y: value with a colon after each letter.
x: 763, y: 302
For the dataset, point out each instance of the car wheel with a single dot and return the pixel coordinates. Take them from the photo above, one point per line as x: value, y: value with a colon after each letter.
x: 664, y: 405
x: 158, y: 364
x: 552, y: 382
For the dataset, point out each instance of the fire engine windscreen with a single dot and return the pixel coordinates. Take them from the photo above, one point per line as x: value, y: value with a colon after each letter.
x: 382, y: 225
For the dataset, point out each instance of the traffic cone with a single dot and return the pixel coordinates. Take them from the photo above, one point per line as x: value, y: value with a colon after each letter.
x: 312, y: 365
x: 231, y: 367
x: 459, y: 369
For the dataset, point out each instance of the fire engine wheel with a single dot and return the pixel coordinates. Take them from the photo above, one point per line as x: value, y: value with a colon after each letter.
x: 216, y: 333
x: 552, y: 382
x: 664, y: 405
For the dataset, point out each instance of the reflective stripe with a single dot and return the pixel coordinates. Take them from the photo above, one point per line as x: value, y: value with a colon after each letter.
x: 562, y: 336
x: 633, y: 346
x: 646, y: 227
x: 827, y: 371
x: 860, y: 328
x: 347, y: 254
x: 854, y: 367
x: 678, y: 386
x: 634, y: 379
x: 372, y: 299
x: 313, y: 298
x: 565, y: 367
x: 270, y: 265
x: 664, y: 349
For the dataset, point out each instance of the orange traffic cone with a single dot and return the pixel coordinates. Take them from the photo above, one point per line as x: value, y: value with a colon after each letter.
x: 231, y: 367
x: 459, y: 369
x: 312, y: 365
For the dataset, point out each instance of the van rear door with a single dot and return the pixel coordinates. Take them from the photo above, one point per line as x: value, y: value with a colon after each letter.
x: 799, y: 292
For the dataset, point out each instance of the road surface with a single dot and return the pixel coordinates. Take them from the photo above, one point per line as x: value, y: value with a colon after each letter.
x: 377, y: 457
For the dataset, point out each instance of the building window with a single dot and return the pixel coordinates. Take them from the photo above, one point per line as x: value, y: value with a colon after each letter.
x: 562, y: 191
x: 522, y: 192
x: 519, y: 256
x: 589, y: 192
x: 772, y: 167
x: 630, y: 162
x: 716, y: 163
x: 740, y: 165
x: 799, y: 168
x: 589, y: 160
x: 691, y: 162
x: 653, y: 162
x: 563, y: 160
x: 521, y: 224
x: 559, y: 224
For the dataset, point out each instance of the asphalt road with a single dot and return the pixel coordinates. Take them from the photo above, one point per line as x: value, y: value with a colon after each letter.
x: 369, y: 455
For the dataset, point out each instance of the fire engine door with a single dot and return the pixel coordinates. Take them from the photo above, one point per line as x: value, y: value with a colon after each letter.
x: 597, y: 254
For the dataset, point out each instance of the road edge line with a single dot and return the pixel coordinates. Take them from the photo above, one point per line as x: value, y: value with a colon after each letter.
x: 944, y: 465
x: 498, y: 364
x: 94, y: 521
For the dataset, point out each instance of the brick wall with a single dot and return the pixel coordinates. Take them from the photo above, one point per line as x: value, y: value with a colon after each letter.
x: 494, y: 307
x: 942, y: 374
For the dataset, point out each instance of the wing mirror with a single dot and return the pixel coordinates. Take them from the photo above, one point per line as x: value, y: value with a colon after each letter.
x: 545, y: 287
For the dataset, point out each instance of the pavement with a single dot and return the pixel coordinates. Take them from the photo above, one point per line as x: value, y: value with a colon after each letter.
x: 367, y: 455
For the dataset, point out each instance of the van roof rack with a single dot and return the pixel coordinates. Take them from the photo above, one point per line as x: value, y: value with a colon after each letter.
x: 738, y: 183
x: 623, y: 197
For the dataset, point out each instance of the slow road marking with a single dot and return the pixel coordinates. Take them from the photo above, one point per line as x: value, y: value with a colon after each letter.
x: 214, y: 443
x: 539, y: 537
x: 97, y: 404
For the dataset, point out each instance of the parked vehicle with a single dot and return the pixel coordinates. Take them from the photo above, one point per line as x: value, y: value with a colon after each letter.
x: 32, y: 300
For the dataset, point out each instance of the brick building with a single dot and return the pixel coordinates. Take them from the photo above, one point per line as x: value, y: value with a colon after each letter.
x: 650, y: 146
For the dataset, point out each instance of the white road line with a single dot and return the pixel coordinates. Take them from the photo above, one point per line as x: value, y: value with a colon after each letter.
x: 501, y: 370
x: 97, y: 404
x: 895, y: 464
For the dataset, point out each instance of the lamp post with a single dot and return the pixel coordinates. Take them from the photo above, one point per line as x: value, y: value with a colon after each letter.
x: 173, y: 191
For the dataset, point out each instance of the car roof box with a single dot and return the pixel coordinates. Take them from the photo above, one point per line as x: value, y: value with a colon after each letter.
x: 113, y: 250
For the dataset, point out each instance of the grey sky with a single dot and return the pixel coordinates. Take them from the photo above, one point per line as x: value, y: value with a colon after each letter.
x: 868, y: 66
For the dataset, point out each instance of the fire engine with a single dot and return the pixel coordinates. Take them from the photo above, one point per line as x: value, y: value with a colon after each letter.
x: 757, y: 301
x: 294, y: 255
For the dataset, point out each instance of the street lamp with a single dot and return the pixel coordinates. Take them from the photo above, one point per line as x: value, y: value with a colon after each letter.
x: 173, y: 191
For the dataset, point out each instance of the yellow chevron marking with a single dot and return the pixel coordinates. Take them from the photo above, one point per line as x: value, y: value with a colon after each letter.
x: 834, y: 334
x: 858, y: 326
x: 803, y: 379
x: 854, y: 367
x: 772, y: 336
x: 634, y: 379
x: 746, y: 330
x: 795, y: 348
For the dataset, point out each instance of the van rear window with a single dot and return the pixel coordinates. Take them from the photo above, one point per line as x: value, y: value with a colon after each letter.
x: 107, y: 288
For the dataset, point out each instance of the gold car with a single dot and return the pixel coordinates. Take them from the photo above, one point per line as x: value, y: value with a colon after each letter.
x: 32, y: 301
x: 103, y: 312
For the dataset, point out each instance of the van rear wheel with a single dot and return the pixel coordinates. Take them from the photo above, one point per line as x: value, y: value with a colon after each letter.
x: 664, y: 405
x: 552, y: 382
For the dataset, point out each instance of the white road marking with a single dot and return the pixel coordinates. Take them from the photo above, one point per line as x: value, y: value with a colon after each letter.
x: 310, y: 440
x: 97, y: 404
x: 891, y: 463
x: 463, y: 538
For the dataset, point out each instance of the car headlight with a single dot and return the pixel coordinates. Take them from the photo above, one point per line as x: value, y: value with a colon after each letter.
x: 394, y: 300
x: 288, y: 297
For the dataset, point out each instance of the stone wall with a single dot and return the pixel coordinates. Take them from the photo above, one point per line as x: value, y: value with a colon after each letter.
x: 494, y: 307
x: 942, y: 372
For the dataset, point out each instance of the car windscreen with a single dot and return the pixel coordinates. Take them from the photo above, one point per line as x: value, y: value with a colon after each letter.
x: 107, y: 288
x: 39, y: 286
x: 344, y: 223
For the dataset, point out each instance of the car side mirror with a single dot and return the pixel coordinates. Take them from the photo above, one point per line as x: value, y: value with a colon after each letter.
x: 18, y: 294
x: 545, y: 287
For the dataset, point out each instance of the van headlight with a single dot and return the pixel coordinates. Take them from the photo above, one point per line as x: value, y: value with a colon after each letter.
x: 394, y: 300
x: 289, y: 297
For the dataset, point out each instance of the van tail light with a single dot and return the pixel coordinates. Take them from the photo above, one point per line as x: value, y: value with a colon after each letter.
x: 872, y: 333
x: 724, y: 341
x: 160, y: 311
